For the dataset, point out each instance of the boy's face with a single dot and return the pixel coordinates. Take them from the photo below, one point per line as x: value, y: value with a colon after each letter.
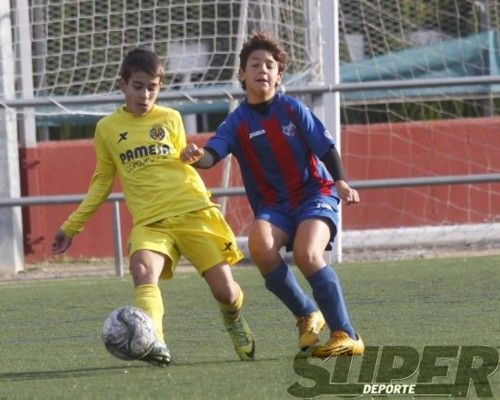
x: 141, y: 92
x: 261, y: 76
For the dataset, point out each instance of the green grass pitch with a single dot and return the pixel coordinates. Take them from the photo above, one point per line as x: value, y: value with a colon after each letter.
x: 50, y: 345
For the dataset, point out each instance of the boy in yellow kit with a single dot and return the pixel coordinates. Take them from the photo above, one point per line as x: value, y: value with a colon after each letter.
x: 170, y: 206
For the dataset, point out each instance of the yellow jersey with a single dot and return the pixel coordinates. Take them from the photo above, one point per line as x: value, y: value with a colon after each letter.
x: 144, y: 150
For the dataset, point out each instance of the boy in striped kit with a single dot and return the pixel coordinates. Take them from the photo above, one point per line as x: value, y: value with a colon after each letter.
x: 294, y: 181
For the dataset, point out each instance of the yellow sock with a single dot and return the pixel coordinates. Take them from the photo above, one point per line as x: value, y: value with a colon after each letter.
x: 231, y: 312
x: 148, y: 298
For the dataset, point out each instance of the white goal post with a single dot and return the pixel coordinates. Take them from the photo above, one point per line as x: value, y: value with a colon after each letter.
x: 11, y: 238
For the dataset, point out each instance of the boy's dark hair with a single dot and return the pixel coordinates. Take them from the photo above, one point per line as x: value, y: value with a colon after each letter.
x: 143, y: 60
x: 263, y: 41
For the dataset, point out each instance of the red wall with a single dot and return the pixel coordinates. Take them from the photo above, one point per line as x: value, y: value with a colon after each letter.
x: 429, y: 148
x: 369, y: 152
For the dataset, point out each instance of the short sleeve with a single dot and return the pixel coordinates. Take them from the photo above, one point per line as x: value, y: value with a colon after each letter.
x: 314, y: 132
x: 222, y: 141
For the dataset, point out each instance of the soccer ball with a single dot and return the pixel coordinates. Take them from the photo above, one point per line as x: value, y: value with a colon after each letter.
x: 128, y: 333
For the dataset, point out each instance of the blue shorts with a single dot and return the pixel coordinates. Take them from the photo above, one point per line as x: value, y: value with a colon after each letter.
x: 315, y: 207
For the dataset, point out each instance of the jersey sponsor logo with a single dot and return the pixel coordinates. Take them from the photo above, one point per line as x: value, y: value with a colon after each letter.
x: 289, y: 130
x: 144, y: 151
x: 157, y: 132
x: 227, y: 246
x: 257, y: 133
x: 123, y: 136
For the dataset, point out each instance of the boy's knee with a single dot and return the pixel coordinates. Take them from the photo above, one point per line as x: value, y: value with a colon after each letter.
x: 226, y: 294
x: 142, y: 273
x: 307, y: 258
x: 262, y: 253
x: 146, y: 266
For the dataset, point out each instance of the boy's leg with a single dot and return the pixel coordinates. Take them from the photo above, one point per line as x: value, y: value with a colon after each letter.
x: 230, y: 298
x: 146, y: 267
x: 310, y: 241
x: 265, y: 241
x: 207, y: 241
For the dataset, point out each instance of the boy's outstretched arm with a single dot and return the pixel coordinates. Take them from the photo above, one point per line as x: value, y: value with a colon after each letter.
x: 61, y: 242
x: 198, y: 157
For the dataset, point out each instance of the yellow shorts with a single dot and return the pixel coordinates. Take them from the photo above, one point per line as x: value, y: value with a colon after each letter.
x: 203, y: 237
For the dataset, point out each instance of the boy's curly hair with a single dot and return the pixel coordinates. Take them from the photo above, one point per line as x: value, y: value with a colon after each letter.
x: 263, y: 40
x: 142, y: 60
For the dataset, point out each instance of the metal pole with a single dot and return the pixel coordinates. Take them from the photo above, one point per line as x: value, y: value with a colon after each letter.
x: 117, y: 239
x: 484, y: 27
x: 334, y: 102
x: 240, y: 39
x: 11, y: 223
x: 27, y: 126
x: 331, y: 101
x: 234, y: 93
x: 115, y: 198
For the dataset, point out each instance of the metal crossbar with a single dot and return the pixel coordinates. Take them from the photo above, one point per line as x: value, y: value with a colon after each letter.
x: 116, y: 198
x: 231, y: 93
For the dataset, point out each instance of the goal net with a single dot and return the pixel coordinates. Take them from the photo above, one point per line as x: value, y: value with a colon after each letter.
x: 72, y: 49
x: 77, y: 46
x: 421, y: 132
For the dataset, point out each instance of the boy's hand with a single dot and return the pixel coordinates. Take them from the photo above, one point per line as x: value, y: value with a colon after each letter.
x: 61, y: 242
x: 346, y: 193
x: 191, y: 153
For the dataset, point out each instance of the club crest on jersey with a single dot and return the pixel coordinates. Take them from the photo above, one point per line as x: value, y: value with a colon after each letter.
x: 157, y: 132
x: 289, y: 130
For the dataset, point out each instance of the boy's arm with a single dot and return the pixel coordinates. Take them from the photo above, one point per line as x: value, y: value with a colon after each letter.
x: 61, y: 242
x: 99, y: 190
x: 318, y: 139
x: 199, y: 157
x: 333, y: 164
x: 100, y: 187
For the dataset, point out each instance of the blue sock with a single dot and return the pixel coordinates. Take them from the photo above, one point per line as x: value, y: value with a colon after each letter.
x: 281, y: 281
x: 328, y: 294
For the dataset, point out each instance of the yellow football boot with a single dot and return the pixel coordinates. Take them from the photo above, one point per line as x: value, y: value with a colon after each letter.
x: 241, y: 336
x: 340, y: 344
x: 309, y: 328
